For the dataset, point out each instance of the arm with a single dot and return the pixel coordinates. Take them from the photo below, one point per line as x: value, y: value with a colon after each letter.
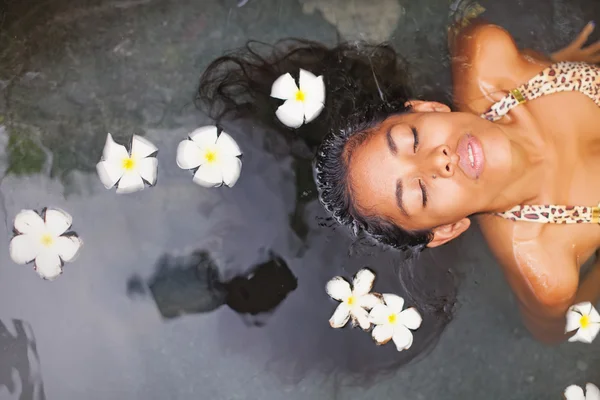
x: 575, y: 51
x: 589, y: 290
x: 486, y: 60
x: 543, y: 277
x: 545, y: 316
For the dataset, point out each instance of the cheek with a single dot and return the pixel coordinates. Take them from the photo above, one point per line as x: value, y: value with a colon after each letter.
x: 450, y: 198
x: 443, y: 129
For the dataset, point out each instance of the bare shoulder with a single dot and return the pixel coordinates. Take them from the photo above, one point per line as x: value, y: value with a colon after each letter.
x: 540, y: 267
x: 485, y: 58
x: 484, y: 42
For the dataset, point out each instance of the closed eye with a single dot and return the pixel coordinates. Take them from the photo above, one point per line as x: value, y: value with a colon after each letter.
x: 423, y: 193
x: 416, y: 137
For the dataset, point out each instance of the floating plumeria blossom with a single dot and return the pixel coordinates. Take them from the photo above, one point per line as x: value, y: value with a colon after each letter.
x: 42, y: 239
x: 354, y: 301
x: 393, y: 323
x: 128, y: 170
x: 302, y: 104
x: 585, y: 319
x: 215, y: 155
x: 574, y: 392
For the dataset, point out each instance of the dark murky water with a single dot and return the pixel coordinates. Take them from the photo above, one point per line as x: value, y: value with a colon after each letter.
x: 182, y: 292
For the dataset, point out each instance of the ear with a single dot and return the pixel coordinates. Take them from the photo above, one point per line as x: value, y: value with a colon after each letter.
x: 445, y: 233
x: 427, y: 106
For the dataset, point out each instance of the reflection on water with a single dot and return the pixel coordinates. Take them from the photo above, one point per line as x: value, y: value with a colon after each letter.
x: 20, y: 366
x: 191, y: 284
x: 131, y: 66
x: 262, y: 289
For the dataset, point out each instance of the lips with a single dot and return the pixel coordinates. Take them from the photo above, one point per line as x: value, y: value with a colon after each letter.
x: 471, y: 155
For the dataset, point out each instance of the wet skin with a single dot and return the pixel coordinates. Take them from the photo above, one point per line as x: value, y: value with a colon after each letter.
x: 432, y: 168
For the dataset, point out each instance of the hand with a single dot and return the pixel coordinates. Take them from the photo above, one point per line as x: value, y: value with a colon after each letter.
x: 576, y: 52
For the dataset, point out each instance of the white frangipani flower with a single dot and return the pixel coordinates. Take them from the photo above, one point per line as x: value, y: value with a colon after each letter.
x: 585, y: 319
x: 393, y: 323
x: 574, y: 392
x: 215, y: 155
x: 303, y: 104
x: 43, y: 240
x: 128, y: 170
x: 354, y: 301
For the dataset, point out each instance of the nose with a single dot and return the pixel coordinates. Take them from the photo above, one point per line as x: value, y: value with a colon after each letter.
x: 444, y: 161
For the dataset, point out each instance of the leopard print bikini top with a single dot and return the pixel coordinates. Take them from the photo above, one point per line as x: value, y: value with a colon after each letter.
x: 559, y: 77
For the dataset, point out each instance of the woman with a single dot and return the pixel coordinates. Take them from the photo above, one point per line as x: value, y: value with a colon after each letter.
x: 411, y: 173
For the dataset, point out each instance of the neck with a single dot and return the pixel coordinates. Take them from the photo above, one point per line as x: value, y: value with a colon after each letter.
x: 523, y: 184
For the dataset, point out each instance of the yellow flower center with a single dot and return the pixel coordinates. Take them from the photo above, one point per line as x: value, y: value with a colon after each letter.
x: 392, y: 318
x: 128, y: 164
x: 300, y: 96
x: 584, y: 321
x: 351, y: 300
x: 47, y: 240
x: 210, y: 156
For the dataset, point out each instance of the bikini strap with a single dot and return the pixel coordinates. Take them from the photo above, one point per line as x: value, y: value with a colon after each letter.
x: 559, y: 77
x: 549, y: 214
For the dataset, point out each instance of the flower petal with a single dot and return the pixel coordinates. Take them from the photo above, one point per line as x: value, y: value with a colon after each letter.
x: 48, y: 265
x: 148, y: 169
x: 379, y: 315
x: 24, y: 248
x: 291, y: 113
x: 574, y: 392
x: 573, y: 321
x: 395, y: 303
x: 592, y: 392
x: 312, y: 86
x: 228, y: 145
x: 142, y: 147
x: 110, y: 172
x: 231, y: 167
x: 363, y: 282
x: 284, y: 87
x: 130, y: 182
x: 403, y: 338
x: 209, y: 176
x: 189, y: 155
x: 594, y: 316
x: 204, y: 136
x: 594, y: 329
x: 582, y: 335
x: 57, y: 221
x: 369, y: 301
x: 340, y: 316
x: 382, y: 333
x: 28, y: 221
x: 361, y: 317
x: 312, y: 110
x: 583, y: 308
x: 113, y: 151
x: 338, y: 288
x: 67, y: 247
x: 410, y: 318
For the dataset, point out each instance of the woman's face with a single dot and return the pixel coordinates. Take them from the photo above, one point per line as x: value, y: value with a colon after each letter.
x: 430, y: 167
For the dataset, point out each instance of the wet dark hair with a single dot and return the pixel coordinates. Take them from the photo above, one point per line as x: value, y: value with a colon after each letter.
x: 365, y: 84
x: 335, y: 191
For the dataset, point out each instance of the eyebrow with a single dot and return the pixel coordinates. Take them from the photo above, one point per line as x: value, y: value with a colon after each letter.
x: 390, y: 141
x: 399, y: 197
